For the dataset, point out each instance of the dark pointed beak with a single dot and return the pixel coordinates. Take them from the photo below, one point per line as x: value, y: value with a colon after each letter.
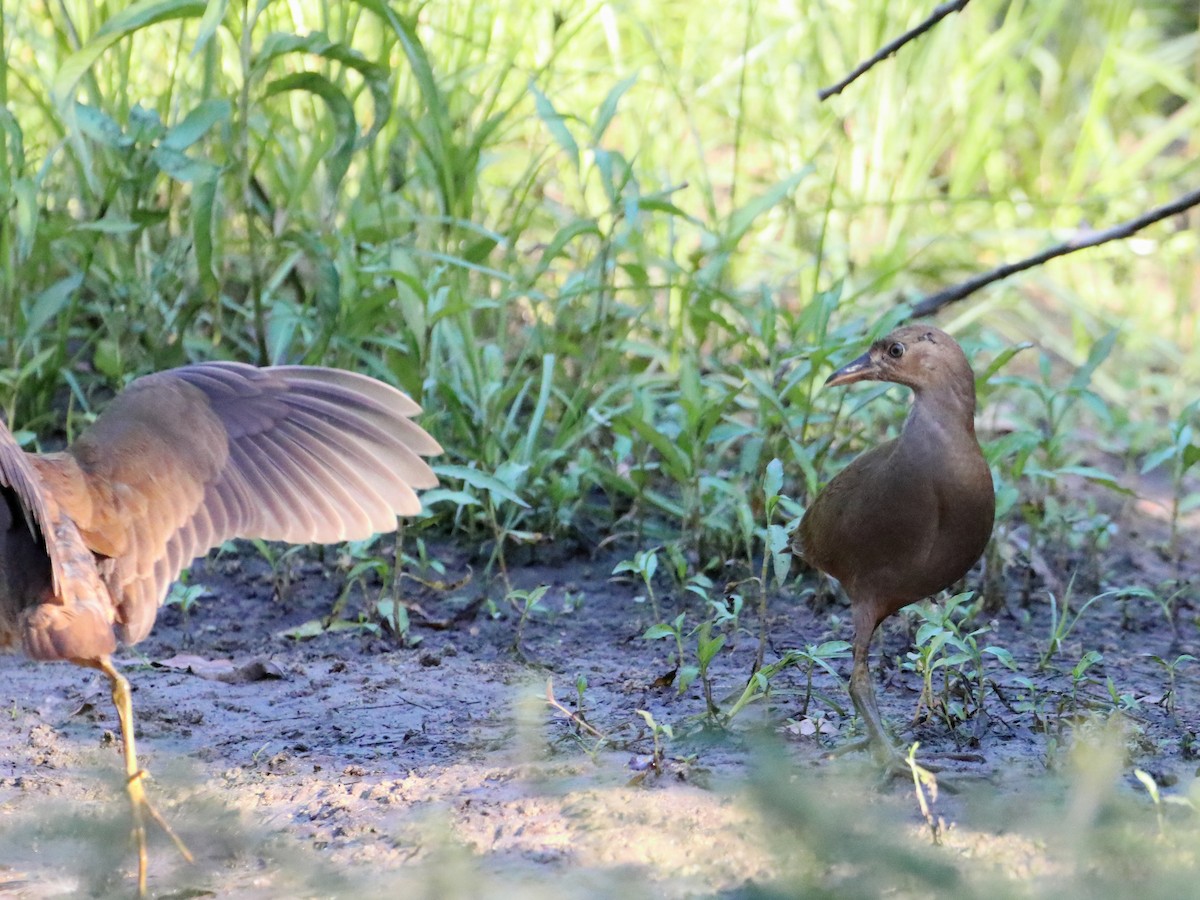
x: 859, y: 369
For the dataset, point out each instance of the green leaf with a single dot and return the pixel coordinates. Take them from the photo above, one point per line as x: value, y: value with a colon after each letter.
x: 1093, y: 474
x: 318, y: 44
x: 678, y: 465
x: 658, y: 632
x: 781, y: 557
x: 196, y: 124
x: 204, y: 196
x: 533, y: 427
x: 134, y: 17
x: 101, y: 128
x: 830, y: 650
x: 1099, y: 352
x: 436, y: 141
x: 1191, y: 454
x: 443, y: 495
x: 706, y: 650
x: 686, y: 676
x: 1157, y: 458
x: 337, y: 161
x: 742, y: 218
x: 1006, y: 658
x: 181, y: 167
x: 556, y: 124
x: 773, y: 483
x: 49, y: 303
x: 214, y: 14
x: 107, y: 358
x: 481, y: 480
x: 608, y: 107
x: 1001, y: 360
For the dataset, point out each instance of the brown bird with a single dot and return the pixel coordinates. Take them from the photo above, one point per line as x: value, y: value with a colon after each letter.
x: 179, y: 462
x: 910, y: 517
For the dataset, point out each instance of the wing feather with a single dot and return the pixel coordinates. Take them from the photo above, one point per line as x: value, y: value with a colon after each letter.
x: 184, y: 460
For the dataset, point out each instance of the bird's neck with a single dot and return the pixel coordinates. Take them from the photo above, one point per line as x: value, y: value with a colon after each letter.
x: 942, y: 415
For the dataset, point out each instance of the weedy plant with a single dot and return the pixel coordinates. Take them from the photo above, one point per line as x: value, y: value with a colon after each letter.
x: 1181, y: 453
x: 186, y: 597
x: 1170, y: 701
x: 1063, y: 620
x: 526, y: 604
x: 645, y: 565
x: 943, y: 644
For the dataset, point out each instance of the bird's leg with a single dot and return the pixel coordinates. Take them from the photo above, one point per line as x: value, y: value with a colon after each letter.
x: 134, y: 775
x: 862, y: 693
x: 892, y: 762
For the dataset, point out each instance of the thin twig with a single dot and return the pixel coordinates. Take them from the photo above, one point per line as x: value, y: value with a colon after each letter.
x: 574, y: 718
x: 1080, y: 241
x: 888, y: 49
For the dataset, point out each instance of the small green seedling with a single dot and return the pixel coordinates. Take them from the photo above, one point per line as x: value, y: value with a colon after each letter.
x: 644, y: 564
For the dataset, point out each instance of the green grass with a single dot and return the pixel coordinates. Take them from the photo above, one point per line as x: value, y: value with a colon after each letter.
x: 613, y: 250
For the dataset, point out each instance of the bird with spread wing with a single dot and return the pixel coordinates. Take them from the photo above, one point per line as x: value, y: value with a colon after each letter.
x: 179, y: 462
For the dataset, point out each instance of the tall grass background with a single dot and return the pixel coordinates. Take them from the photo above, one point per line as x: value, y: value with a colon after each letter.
x: 612, y: 248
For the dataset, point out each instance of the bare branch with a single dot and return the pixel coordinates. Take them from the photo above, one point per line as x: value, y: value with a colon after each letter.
x: 888, y: 49
x: 1080, y: 241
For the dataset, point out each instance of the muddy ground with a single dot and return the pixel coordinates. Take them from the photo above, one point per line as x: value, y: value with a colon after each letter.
x: 344, y: 765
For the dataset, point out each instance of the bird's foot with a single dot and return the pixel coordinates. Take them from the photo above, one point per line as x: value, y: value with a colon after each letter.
x: 894, y: 764
x: 143, y: 808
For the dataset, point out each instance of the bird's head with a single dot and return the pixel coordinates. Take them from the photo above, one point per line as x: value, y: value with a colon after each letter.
x: 919, y: 356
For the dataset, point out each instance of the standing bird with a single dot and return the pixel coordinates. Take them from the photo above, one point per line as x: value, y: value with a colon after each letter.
x: 910, y: 517
x: 178, y: 463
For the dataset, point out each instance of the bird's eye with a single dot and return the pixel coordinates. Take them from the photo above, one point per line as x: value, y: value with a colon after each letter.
x: 896, y: 350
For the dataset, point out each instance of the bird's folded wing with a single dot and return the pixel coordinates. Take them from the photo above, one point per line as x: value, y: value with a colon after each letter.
x: 185, y: 459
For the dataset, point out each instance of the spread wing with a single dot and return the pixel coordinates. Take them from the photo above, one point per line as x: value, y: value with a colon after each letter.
x: 185, y: 459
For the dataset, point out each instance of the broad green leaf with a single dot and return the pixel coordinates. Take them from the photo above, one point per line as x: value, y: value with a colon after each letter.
x: 196, y: 124
x: 781, y: 558
x: 101, y: 127
x: 49, y: 303
x: 657, y: 632
x: 1191, y: 455
x: 773, y: 482
x: 686, y: 676
x: 1005, y: 657
x: 181, y: 167
x: 481, y: 480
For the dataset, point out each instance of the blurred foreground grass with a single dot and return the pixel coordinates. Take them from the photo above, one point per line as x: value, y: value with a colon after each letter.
x: 572, y: 828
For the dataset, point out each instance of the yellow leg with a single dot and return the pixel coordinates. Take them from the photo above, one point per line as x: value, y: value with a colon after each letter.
x: 134, y: 775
